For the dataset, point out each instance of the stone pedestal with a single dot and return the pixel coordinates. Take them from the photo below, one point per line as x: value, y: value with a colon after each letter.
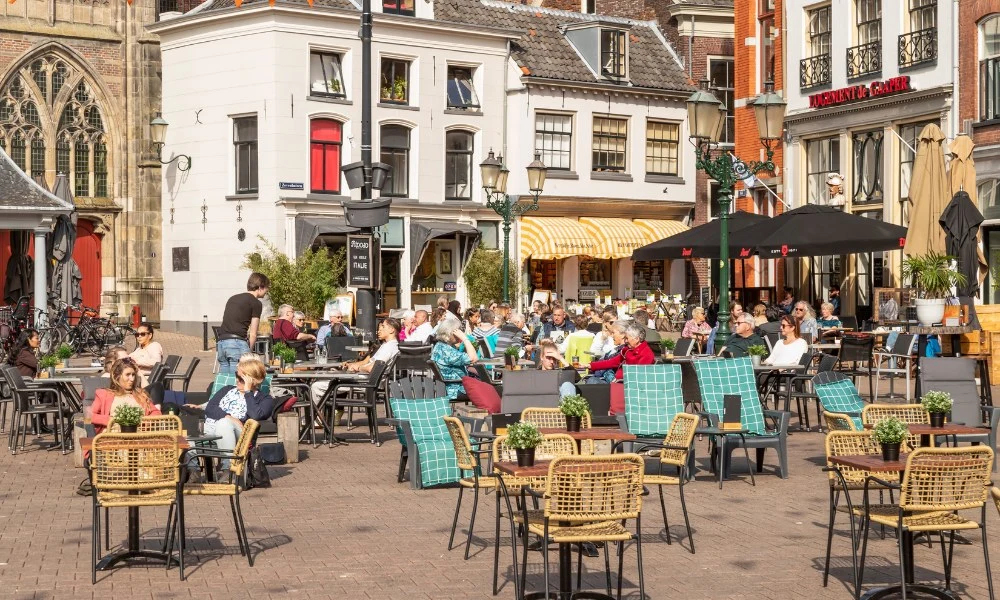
x: 288, y: 434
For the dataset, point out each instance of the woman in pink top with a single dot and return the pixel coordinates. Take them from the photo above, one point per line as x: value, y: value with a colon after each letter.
x: 123, y: 391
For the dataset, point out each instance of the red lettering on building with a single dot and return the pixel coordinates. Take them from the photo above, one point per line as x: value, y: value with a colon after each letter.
x: 784, y: 249
x: 685, y: 251
x: 854, y: 93
x: 744, y: 252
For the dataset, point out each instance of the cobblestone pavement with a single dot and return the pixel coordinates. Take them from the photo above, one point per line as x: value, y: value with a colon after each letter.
x: 337, y: 525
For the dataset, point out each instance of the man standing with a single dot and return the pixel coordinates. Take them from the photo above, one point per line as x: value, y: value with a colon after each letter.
x: 835, y: 298
x: 743, y: 337
x: 240, y: 321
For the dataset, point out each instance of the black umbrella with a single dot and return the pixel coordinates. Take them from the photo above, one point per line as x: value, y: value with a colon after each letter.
x: 17, y: 283
x: 960, y: 221
x: 698, y: 242
x: 63, y: 284
x: 813, y: 230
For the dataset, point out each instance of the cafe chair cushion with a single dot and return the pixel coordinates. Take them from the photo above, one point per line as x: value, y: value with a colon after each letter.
x: 717, y: 378
x: 483, y: 395
x: 438, y: 464
x: 652, y: 398
x: 841, y: 397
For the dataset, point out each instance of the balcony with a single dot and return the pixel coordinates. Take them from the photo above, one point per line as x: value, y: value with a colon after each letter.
x: 917, y: 48
x: 814, y: 71
x: 864, y: 60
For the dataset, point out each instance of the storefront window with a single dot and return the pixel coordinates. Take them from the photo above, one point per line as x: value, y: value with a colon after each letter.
x: 647, y: 275
x: 987, y: 192
x: 907, y: 153
x: 826, y: 273
x: 990, y: 291
x: 869, y: 269
x: 867, y: 176
x: 491, y: 234
x: 543, y: 274
x: 823, y: 158
x: 595, y: 272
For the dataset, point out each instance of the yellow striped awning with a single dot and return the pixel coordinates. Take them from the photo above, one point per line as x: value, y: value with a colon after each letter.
x: 659, y: 229
x: 616, y: 238
x: 548, y: 238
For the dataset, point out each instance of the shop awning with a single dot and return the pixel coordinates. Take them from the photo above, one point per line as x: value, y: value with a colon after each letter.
x: 616, y: 238
x: 548, y: 238
x: 422, y: 232
x: 659, y: 229
x: 307, y: 229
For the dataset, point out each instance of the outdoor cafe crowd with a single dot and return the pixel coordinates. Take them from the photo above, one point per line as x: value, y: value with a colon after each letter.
x: 580, y: 415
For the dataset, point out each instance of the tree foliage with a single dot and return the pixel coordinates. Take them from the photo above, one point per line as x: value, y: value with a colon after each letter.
x: 305, y: 282
x: 484, y: 277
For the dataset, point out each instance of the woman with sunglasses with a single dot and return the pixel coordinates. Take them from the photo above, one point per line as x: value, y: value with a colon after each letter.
x: 149, y: 352
x: 789, y: 350
x: 124, y: 389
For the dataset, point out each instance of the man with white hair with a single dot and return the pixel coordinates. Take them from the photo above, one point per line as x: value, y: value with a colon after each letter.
x: 512, y: 332
x: 407, y: 324
x: 335, y: 327
x: 424, y: 329
x: 288, y: 326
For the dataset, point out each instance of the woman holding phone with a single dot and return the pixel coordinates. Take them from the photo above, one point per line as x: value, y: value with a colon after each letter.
x: 453, y: 353
x: 124, y: 389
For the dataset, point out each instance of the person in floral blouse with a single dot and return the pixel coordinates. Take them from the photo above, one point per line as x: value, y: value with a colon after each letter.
x: 452, y: 354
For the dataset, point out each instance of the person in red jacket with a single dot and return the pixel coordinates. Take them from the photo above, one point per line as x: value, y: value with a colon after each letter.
x: 124, y: 390
x: 635, y: 352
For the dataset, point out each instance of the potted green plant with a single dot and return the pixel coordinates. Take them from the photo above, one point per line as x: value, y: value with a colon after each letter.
x: 47, y: 365
x: 524, y: 437
x: 279, y: 352
x: 399, y: 89
x: 574, y: 407
x: 287, y: 356
x: 757, y: 353
x: 890, y: 433
x: 668, y: 344
x: 64, y: 352
x: 511, y: 355
x: 938, y: 404
x: 933, y: 276
x: 334, y: 86
x: 127, y: 417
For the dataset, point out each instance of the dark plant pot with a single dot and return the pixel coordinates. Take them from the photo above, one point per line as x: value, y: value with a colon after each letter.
x: 52, y: 371
x: 373, y: 213
x: 129, y: 428
x: 573, y: 423
x: 509, y: 360
x: 937, y: 419
x: 890, y: 452
x: 525, y: 457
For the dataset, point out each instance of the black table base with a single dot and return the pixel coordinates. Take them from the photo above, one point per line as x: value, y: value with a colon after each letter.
x: 133, y: 550
x: 912, y: 591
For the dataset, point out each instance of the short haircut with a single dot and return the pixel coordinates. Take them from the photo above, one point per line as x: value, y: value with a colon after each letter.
x: 641, y: 316
x: 581, y: 321
x: 745, y: 318
x: 636, y: 330
x: 299, y: 315
x: 697, y: 311
x: 257, y: 281
x: 396, y: 326
x: 335, y: 312
x: 619, y: 326
x: 285, y: 308
x: 445, y: 329
x: 486, y: 315
x: 827, y: 306
x: 253, y: 369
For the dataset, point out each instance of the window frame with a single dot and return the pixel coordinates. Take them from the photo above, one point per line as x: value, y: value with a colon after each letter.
x: 875, y: 192
x: 868, y: 28
x: 727, y: 95
x: 339, y: 73
x: 449, y: 153
x: 819, y: 41
x: 548, y: 154
x: 250, y: 147
x: 391, y: 7
x: 664, y: 142
x: 473, y: 103
x: 921, y: 8
x: 765, y: 22
x: 989, y: 70
x: 596, y: 148
x: 387, y: 157
x: 615, y: 50
x: 394, y: 62
x: 816, y: 179
x: 324, y: 145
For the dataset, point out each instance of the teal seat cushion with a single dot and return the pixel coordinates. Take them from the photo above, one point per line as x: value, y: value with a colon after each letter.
x: 841, y: 397
x: 438, y: 463
x: 224, y: 379
x: 718, y: 378
x: 653, y: 397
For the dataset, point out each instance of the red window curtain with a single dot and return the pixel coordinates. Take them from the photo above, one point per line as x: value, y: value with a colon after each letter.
x: 324, y: 155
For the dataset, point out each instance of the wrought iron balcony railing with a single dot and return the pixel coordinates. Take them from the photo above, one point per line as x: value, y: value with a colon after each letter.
x: 864, y: 59
x: 917, y: 47
x: 814, y: 71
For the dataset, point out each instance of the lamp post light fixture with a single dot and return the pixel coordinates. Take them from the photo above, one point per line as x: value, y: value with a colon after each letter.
x: 707, y: 121
x: 494, y: 174
x: 158, y: 131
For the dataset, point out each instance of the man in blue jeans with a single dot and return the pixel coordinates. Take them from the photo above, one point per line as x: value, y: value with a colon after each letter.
x: 240, y: 321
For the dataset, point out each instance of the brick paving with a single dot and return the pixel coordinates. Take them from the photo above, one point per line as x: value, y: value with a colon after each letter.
x: 337, y: 525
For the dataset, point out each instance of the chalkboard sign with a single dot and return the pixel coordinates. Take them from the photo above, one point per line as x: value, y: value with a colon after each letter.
x: 732, y: 406
x: 363, y: 261
x: 181, y: 259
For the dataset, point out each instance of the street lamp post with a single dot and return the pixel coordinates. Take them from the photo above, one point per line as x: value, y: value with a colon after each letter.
x: 706, y: 120
x: 494, y: 174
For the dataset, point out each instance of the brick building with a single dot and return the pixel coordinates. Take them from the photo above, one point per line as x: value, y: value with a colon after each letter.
x: 979, y: 115
x: 79, y: 84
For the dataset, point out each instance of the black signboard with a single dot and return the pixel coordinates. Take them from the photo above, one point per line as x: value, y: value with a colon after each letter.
x: 181, y: 259
x: 732, y: 406
x: 363, y: 261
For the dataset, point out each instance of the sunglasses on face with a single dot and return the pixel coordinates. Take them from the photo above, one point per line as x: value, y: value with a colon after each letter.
x: 143, y: 334
x: 784, y: 325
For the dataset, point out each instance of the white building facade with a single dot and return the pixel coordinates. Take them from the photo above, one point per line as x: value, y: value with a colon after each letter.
x: 859, y: 113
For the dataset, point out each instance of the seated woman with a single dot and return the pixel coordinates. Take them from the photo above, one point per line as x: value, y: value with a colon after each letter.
x: 827, y: 321
x: 124, y: 389
x: 616, y: 332
x: 231, y: 406
x: 604, y: 341
x: 697, y: 327
x: 759, y: 314
x: 789, y: 350
x: 549, y: 359
x: 23, y: 356
x: 450, y: 360
x: 148, y: 353
x: 806, y: 318
x: 635, y: 352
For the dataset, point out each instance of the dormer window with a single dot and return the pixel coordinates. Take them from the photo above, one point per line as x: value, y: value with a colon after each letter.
x: 614, y: 54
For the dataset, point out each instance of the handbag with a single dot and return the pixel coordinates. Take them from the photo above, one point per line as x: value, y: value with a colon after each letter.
x: 272, y: 454
x: 256, y: 473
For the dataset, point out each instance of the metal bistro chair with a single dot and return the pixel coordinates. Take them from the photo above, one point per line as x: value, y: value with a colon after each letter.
x: 366, y: 397
x: 28, y: 404
x: 858, y: 351
x: 897, y: 362
x: 184, y: 378
x: 956, y: 377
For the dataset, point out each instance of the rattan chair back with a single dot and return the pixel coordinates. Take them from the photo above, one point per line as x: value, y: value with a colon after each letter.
x: 242, y: 449
x: 681, y: 434
x: 134, y: 462
x: 465, y: 459
x: 165, y: 423
x: 554, y: 445
x: 996, y: 497
x: 946, y: 479
x: 584, y: 489
x: 550, y: 418
x: 850, y: 443
x: 839, y: 422
x: 915, y: 414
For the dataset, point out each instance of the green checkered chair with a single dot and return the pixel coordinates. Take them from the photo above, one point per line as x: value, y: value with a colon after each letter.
x: 224, y: 379
x: 838, y: 395
x: 422, y: 423
x: 653, y: 396
x: 716, y: 379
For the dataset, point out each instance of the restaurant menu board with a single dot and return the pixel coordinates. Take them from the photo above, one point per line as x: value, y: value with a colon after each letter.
x: 362, y: 261
x: 732, y: 407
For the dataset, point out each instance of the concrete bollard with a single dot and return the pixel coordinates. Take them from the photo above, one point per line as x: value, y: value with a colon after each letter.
x: 288, y: 435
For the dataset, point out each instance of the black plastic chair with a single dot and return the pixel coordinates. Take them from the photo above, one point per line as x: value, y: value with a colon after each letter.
x: 365, y: 396
x: 172, y: 361
x: 412, y: 359
x: 858, y: 351
x: 184, y: 378
x: 684, y: 347
x: 412, y: 388
x: 28, y: 404
x: 336, y: 346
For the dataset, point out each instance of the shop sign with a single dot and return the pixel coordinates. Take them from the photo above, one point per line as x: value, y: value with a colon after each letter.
x: 362, y: 261
x: 450, y: 286
x: 588, y: 294
x: 290, y: 185
x: 854, y: 93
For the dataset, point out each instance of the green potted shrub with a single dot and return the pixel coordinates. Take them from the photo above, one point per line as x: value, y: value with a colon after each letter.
x: 47, y: 365
x: 757, y: 353
x: 128, y: 417
x: 938, y: 404
x: 574, y: 407
x: 524, y: 437
x: 890, y: 433
x: 511, y: 355
x: 934, y: 277
x: 64, y: 352
x: 668, y: 345
x: 399, y: 89
x: 287, y: 356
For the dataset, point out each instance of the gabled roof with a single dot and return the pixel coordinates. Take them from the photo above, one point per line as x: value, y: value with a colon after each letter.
x: 19, y: 193
x: 543, y: 51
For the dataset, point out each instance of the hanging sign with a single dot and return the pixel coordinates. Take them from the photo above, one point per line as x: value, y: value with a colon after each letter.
x: 363, y: 260
x: 854, y: 93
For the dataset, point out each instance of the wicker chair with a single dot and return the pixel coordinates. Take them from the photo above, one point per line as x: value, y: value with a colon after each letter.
x: 839, y: 422
x: 996, y: 497
x: 937, y: 483
x: 552, y: 418
x: 907, y: 413
x: 130, y: 470
x: 468, y: 460
x: 238, y: 459
x: 161, y: 423
x: 614, y: 485
x: 674, y: 452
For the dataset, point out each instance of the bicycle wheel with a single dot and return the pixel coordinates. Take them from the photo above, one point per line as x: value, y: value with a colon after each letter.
x: 127, y: 336
x: 49, y: 339
x: 91, y: 340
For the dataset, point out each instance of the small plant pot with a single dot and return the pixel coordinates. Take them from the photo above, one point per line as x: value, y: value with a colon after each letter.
x: 287, y: 369
x: 755, y: 360
x: 276, y: 362
x: 525, y: 457
x: 52, y: 371
x: 937, y: 419
x: 61, y: 364
x: 129, y: 428
x: 509, y: 360
x: 43, y: 374
x: 573, y: 423
x: 890, y: 452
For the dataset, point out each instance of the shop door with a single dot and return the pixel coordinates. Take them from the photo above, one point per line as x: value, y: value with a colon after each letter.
x: 87, y: 254
x: 991, y: 293
x: 390, y: 280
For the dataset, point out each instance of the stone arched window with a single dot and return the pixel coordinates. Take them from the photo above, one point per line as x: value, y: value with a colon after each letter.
x: 50, y: 122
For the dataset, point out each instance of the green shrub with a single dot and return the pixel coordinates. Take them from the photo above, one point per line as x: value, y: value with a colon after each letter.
x: 64, y: 351
x: 890, y: 431
x: 523, y: 435
x: 127, y: 415
x: 483, y: 277
x: 306, y: 282
x: 757, y: 350
x: 574, y: 406
x: 936, y: 402
x: 48, y: 360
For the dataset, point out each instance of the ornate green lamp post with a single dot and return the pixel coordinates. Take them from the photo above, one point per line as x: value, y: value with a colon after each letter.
x: 494, y: 174
x: 706, y: 120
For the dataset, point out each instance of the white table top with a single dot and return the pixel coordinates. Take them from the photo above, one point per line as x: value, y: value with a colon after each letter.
x: 319, y: 375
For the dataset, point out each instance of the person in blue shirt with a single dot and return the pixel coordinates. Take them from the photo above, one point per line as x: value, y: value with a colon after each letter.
x: 453, y: 353
x: 835, y: 298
